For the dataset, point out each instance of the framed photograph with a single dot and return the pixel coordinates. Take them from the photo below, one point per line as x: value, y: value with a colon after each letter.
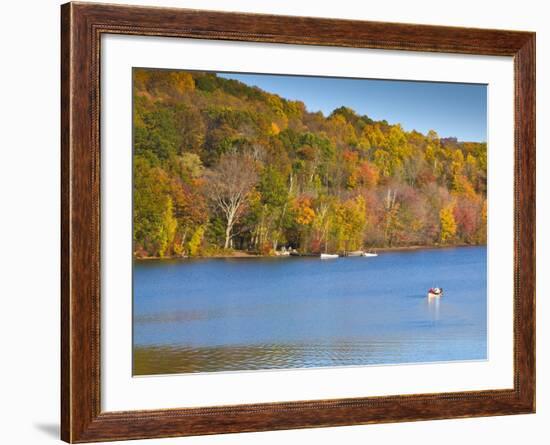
x: 275, y: 222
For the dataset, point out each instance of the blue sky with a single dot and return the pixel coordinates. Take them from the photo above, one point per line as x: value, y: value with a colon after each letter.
x: 451, y: 109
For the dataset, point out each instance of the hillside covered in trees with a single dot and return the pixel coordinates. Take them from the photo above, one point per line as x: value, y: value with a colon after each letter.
x: 219, y: 165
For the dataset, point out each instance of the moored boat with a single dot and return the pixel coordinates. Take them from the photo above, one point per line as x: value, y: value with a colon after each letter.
x: 296, y: 253
x: 327, y: 256
x: 283, y: 252
x: 369, y: 254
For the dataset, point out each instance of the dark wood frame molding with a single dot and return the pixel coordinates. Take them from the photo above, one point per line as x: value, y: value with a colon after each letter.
x: 82, y: 25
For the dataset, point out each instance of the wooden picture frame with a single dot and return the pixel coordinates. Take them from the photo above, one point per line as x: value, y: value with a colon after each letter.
x: 82, y: 25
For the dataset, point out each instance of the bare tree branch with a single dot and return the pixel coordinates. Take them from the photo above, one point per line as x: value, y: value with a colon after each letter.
x: 229, y: 186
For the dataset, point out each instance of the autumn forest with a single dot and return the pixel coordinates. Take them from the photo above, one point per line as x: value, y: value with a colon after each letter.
x: 221, y: 167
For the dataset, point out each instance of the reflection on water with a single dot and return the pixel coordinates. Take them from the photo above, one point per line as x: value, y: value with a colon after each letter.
x: 434, y: 303
x: 273, y: 313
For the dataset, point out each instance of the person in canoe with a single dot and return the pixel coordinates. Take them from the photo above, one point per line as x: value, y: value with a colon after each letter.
x: 435, y: 292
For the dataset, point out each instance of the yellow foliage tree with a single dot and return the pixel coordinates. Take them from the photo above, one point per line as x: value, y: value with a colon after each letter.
x: 448, y: 223
x: 183, y: 82
x: 275, y: 130
x: 348, y: 224
x: 195, y: 241
x: 168, y: 230
x: 304, y: 213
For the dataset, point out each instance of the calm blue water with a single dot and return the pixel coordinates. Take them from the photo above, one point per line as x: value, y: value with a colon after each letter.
x: 210, y: 315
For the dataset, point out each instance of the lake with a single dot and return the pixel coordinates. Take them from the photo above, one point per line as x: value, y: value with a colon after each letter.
x: 210, y: 315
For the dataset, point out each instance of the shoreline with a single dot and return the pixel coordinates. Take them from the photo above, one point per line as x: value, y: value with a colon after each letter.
x: 430, y: 247
x: 243, y: 254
